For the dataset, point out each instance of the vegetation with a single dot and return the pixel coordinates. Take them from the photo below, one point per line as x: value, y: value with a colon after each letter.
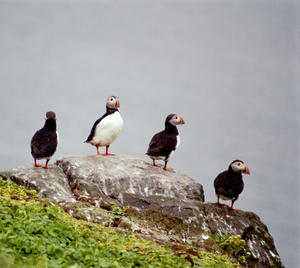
x: 35, y: 234
x: 116, y: 211
x: 233, y: 245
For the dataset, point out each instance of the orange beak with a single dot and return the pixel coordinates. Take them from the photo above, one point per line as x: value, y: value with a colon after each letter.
x: 181, y: 121
x: 246, y: 170
x: 118, y: 103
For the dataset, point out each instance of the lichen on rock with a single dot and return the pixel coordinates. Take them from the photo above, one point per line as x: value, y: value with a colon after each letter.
x: 131, y: 195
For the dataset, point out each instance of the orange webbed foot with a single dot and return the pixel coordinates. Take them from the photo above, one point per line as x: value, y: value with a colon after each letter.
x: 47, y: 167
x: 169, y: 169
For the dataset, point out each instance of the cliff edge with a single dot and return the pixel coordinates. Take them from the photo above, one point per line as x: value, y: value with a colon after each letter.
x: 167, y: 208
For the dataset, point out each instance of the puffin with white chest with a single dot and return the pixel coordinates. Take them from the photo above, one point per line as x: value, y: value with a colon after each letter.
x: 229, y: 183
x: 44, y: 141
x: 165, y: 143
x: 107, y: 128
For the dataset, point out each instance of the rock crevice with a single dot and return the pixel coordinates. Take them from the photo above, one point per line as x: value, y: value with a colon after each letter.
x: 165, y: 207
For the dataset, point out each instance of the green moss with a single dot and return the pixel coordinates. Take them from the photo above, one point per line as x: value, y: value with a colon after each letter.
x: 212, y: 260
x: 116, y: 211
x: 10, y: 189
x: 34, y: 234
x: 233, y: 245
x: 267, y: 235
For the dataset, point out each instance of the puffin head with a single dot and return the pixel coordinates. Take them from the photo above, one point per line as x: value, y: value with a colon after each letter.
x: 113, y: 102
x: 239, y: 166
x: 50, y: 114
x: 174, y: 119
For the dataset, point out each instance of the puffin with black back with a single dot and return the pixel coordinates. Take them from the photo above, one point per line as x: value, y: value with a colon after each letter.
x: 165, y: 143
x: 229, y: 183
x: 44, y: 141
x: 107, y: 128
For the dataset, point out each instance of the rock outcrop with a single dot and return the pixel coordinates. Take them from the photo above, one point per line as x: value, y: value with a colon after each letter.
x: 165, y: 207
x: 127, y: 180
x: 49, y: 183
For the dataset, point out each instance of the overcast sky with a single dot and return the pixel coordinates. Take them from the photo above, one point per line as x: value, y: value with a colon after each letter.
x: 227, y: 67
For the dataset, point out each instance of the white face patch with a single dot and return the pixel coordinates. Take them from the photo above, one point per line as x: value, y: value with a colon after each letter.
x: 111, y: 102
x: 238, y: 166
x: 175, y: 120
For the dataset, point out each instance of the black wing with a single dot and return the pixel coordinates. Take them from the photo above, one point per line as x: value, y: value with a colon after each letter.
x: 220, y: 183
x: 229, y: 186
x: 162, y: 144
x: 91, y: 136
x: 43, y: 143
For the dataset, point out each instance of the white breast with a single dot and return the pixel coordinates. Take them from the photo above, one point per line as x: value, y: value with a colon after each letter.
x: 225, y: 198
x: 108, y: 129
x: 177, y: 144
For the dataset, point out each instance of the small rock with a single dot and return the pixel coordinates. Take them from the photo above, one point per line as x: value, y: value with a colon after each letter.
x: 49, y: 183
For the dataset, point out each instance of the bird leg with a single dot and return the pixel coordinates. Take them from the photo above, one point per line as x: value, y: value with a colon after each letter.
x: 231, y: 207
x: 46, y: 166
x: 154, y: 164
x: 98, y: 153
x: 36, y: 164
x: 218, y: 201
x: 106, y: 152
x: 168, y: 169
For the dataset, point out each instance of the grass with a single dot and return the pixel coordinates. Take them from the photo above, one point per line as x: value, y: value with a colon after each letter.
x: 233, y: 245
x: 34, y: 234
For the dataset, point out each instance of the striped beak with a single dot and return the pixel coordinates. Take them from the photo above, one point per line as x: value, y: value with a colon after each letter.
x: 118, y: 103
x: 246, y: 170
x: 181, y: 122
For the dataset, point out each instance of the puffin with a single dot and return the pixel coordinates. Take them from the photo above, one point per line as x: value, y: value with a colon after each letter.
x: 44, y: 141
x: 163, y: 144
x: 229, y: 183
x: 107, y: 128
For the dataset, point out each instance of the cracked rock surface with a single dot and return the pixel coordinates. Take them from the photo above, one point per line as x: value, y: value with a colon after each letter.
x: 165, y: 207
x: 49, y: 183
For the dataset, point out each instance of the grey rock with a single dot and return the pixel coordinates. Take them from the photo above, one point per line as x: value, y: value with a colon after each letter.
x: 86, y: 211
x: 127, y: 180
x: 49, y: 183
x: 165, y: 207
x: 193, y: 223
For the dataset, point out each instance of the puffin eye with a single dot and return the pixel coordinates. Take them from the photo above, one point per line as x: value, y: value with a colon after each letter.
x: 239, y: 164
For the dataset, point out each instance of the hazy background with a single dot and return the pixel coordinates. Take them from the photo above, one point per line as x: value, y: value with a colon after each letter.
x: 227, y: 67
